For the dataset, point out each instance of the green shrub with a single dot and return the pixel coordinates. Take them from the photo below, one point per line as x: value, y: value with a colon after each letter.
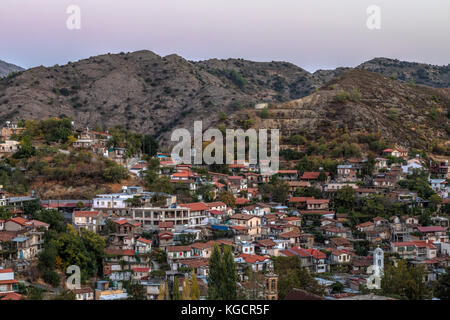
x: 342, y: 96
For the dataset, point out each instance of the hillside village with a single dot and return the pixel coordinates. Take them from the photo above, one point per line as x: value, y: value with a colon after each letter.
x: 310, y: 232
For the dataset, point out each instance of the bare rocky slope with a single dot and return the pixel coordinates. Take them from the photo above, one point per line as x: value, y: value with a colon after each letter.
x: 361, y: 102
x: 8, y: 68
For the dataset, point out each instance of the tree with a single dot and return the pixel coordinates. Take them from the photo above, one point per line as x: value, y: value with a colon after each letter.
x: 403, y: 281
x: 277, y: 189
x: 65, y: 295
x: 30, y: 207
x: 136, y: 291
x: 230, y: 274
x: 264, y: 113
x: 442, y: 290
x: 114, y: 172
x: 134, y: 202
x: 163, y: 291
x: 308, y: 192
x: 52, y: 278
x: 237, y: 78
x: 95, y: 247
x: 322, y: 177
x: 176, y: 289
x: 227, y: 198
x: 280, y: 190
x: 162, y: 184
x: 222, y: 275
x: 195, y: 289
x: 345, y: 198
x: 34, y: 293
x: 435, y: 201
x: 187, y: 289
x: 222, y: 116
x: 206, y: 191
x: 369, y: 165
x: 26, y: 148
x: 149, y: 145
x: 51, y: 216
x: 337, y: 287
x: 216, y: 272
x: 292, y: 275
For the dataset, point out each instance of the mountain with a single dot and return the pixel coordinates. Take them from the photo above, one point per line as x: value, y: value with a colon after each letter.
x: 145, y: 92
x: 430, y: 75
x: 7, y: 68
x: 360, y: 102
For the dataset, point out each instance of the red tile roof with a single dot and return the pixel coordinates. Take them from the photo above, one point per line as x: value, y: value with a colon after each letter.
x: 240, y: 201
x: 139, y: 166
x: 196, y: 206
x: 13, y: 281
x: 21, y: 221
x: 6, y: 271
x: 178, y: 248
x: 287, y: 172
x: 37, y: 223
x: 266, y: 243
x: 431, y: 229
x: 365, y: 224
x: 10, y: 296
x: 235, y: 178
x: 316, y: 253
x: 290, y: 234
x: 165, y: 235
x: 321, y: 212
x: 252, y: 258
x: 317, y: 201
x: 295, y: 251
x: 202, y: 245
x: 184, y: 174
x: 215, y: 204
x: 300, y: 199
x: 141, y: 269
x: 80, y: 214
x: 217, y: 212
x: 120, y: 252
x: 165, y: 224
x: 144, y: 240
x: 240, y: 216
x: 312, y: 175
x: 419, y: 244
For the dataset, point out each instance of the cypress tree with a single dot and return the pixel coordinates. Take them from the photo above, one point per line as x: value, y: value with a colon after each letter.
x: 195, y: 289
x: 215, y: 275
x: 230, y: 275
x: 176, y: 289
x: 186, y: 294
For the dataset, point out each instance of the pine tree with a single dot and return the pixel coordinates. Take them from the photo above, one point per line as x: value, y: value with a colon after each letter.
x: 195, y: 289
x: 176, y: 289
